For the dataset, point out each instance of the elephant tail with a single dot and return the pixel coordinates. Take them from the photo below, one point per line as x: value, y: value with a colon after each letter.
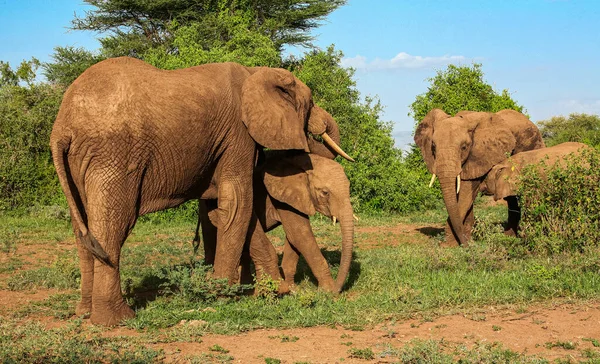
x: 60, y: 149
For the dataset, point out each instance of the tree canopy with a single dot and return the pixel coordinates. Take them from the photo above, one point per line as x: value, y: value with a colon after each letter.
x: 135, y: 26
x: 460, y: 88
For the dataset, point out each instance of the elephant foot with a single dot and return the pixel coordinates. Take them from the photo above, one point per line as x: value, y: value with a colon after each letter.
x: 329, y: 287
x: 83, y: 309
x: 112, y: 317
x: 449, y: 244
x: 285, y: 287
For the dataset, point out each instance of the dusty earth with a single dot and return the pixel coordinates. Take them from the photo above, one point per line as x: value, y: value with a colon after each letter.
x: 530, y: 330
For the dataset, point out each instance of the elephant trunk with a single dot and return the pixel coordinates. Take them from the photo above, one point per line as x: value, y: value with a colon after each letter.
x: 347, y: 229
x: 451, y: 200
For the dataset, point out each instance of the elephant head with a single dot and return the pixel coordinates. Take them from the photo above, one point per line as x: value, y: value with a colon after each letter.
x: 465, y: 147
x: 278, y: 111
x: 501, y: 180
x: 311, y: 183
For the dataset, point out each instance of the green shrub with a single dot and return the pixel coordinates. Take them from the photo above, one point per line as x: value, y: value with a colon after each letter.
x: 561, y: 205
x: 27, y: 113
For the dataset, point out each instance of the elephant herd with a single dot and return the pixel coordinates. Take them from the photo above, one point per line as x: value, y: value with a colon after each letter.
x: 130, y: 139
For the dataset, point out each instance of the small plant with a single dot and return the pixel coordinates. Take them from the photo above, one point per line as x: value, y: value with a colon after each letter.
x: 595, y: 342
x: 285, y: 338
x: 496, y: 328
x: 347, y: 343
x: 266, y: 288
x: 567, y: 345
x: 366, y: 354
x: 272, y: 361
x: 218, y: 348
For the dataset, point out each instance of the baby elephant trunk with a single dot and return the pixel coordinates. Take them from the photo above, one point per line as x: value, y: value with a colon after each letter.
x: 347, y: 228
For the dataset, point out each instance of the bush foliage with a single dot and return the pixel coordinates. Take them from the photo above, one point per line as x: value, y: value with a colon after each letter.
x: 27, y: 112
x: 561, y: 205
x: 582, y: 128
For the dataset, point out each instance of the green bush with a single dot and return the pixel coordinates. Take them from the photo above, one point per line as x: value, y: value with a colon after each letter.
x: 27, y: 113
x: 561, y: 205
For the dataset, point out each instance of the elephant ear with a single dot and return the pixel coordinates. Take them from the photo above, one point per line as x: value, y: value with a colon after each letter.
x: 275, y: 107
x: 289, y: 184
x: 492, y: 142
x: 424, y: 133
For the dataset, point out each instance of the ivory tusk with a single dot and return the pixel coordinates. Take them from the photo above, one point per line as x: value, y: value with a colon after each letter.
x: 334, y: 220
x: 432, y: 180
x: 457, y: 184
x: 355, y: 217
x: 327, y: 139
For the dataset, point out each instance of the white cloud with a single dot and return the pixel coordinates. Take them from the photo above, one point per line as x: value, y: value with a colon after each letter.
x: 402, y: 60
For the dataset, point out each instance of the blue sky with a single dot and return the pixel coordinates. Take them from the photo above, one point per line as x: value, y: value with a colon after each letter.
x: 546, y: 52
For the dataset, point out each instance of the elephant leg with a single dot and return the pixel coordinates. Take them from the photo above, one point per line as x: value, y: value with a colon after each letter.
x: 299, y: 233
x: 111, y: 216
x: 263, y: 253
x: 209, y: 231
x: 289, y: 262
x: 232, y: 218
x: 86, y: 266
x: 514, y: 216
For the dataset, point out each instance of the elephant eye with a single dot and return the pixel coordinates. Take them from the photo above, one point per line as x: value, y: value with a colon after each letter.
x: 325, y: 193
x: 286, y: 94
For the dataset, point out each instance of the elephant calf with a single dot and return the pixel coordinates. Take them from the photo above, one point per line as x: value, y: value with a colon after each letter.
x: 501, y: 181
x: 287, y: 190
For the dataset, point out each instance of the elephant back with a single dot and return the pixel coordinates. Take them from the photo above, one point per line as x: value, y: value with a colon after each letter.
x: 527, y: 134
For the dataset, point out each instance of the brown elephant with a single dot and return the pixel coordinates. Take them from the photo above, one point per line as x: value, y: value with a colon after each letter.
x: 287, y: 190
x: 501, y: 181
x: 462, y: 149
x: 130, y: 139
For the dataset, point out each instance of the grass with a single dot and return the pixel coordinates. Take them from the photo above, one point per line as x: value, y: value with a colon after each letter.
x: 393, y: 277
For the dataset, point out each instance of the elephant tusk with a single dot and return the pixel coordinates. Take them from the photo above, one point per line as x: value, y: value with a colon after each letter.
x: 334, y: 220
x: 457, y: 184
x: 327, y: 139
x: 432, y: 180
x: 355, y: 217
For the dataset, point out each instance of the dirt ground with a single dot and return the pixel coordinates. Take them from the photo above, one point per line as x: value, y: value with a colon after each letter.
x: 524, y: 330
x: 527, y: 332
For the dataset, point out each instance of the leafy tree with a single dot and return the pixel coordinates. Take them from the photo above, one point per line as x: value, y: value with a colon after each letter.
x: 244, y: 46
x: 583, y: 128
x: 68, y: 63
x: 138, y: 25
x: 461, y: 88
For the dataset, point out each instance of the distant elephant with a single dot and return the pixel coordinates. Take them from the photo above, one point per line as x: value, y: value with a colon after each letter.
x: 287, y: 190
x: 462, y: 149
x: 130, y: 139
x: 501, y: 181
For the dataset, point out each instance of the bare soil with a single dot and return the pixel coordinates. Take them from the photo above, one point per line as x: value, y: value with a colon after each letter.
x: 528, y: 332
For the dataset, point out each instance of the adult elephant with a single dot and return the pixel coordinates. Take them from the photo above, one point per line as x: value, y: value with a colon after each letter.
x: 501, y: 182
x: 288, y: 189
x: 462, y: 149
x: 130, y: 139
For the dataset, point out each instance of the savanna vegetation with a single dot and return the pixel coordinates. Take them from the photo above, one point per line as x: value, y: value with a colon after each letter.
x: 396, y: 274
